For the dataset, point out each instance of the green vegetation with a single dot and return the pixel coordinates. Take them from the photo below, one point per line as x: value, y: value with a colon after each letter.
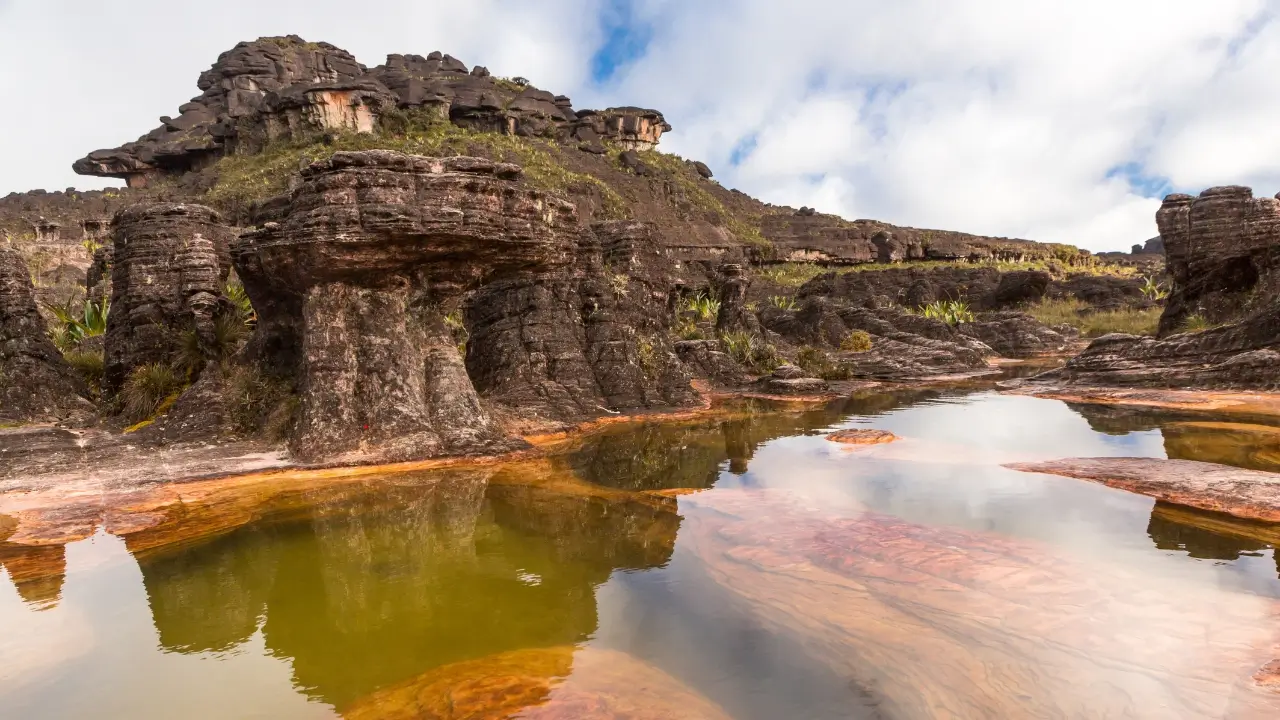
x: 647, y: 356
x: 234, y: 291
x: 90, y: 364
x: 792, y: 274
x: 229, y: 332
x: 1153, y: 290
x: 750, y: 351
x: 256, y: 403
x: 1080, y: 315
x: 149, y: 390
x: 951, y: 312
x: 75, y: 323
x: 688, y: 329
x: 858, y: 341
x: 703, y: 307
x: 1196, y: 322
x: 244, y: 179
x: 458, y: 329
x: 784, y: 302
x: 818, y: 364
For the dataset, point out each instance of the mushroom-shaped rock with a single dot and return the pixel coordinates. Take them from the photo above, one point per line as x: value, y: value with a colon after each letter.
x: 351, y: 277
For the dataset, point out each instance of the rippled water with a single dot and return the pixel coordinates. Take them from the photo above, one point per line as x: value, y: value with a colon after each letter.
x: 804, y: 580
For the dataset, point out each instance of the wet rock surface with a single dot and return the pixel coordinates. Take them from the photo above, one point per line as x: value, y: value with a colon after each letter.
x: 862, y: 436
x: 1250, y: 494
x: 891, y: 589
x: 553, y: 683
x: 36, y: 383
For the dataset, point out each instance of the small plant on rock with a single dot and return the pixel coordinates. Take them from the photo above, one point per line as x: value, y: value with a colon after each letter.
x: 858, y: 341
x: 784, y: 302
x: 618, y: 283
x: 148, y: 388
x: 1153, y: 290
x: 73, y: 324
x: 703, y: 306
x: 90, y: 364
x: 688, y: 330
x: 234, y: 291
x: 1196, y: 322
x: 750, y: 351
x: 951, y: 312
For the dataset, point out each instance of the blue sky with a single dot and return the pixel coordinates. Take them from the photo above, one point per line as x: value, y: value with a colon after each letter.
x: 1057, y: 122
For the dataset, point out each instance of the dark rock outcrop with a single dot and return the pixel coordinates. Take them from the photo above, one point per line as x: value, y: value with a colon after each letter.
x: 903, y: 346
x: 1220, y: 249
x: 36, y: 384
x: 286, y: 88
x: 354, y: 274
x: 169, y: 263
x: 1018, y: 335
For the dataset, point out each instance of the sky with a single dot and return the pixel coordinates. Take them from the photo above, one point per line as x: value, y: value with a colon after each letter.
x: 1062, y: 122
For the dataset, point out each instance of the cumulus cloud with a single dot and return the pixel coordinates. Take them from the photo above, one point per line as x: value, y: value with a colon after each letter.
x: 1054, y: 121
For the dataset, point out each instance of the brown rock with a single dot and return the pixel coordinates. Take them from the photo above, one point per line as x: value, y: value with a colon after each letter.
x: 862, y: 436
x: 1220, y: 488
x: 168, y: 266
x: 543, y: 684
x: 36, y: 384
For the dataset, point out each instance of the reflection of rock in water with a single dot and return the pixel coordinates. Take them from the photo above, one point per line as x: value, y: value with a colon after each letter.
x: 1256, y: 447
x: 36, y: 571
x: 1120, y: 420
x: 658, y: 456
x: 932, y: 622
x: 1169, y: 530
x: 558, y: 683
x: 393, y: 577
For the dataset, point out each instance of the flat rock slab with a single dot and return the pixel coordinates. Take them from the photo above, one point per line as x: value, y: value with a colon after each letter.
x: 1243, y: 493
x: 862, y: 436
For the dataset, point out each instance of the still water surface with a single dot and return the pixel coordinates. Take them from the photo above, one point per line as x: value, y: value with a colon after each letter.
x: 804, y: 580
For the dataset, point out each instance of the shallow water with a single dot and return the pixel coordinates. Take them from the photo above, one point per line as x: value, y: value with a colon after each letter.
x: 804, y: 580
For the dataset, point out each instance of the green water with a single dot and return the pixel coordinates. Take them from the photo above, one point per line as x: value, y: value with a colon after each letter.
x: 307, y: 612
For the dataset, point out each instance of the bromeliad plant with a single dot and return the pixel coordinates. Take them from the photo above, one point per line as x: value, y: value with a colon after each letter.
x: 1153, y: 290
x: 951, y: 312
x: 703, y: 307
x: 75, y: 324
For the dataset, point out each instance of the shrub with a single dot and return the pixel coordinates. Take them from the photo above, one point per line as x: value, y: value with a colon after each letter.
x: 750, y: 352
x: 951, y: 312
x: 784, y: 302
x: 703, y: 306
x: 618, y: 283
x: 90, y: 365
x: 688, y: 330
x: 147, y: 388
x: 1196, y: 322
x: 858, y: 341
x: 256, y: 403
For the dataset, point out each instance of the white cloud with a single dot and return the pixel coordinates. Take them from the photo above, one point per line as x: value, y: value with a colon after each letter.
x: 1003, y: 117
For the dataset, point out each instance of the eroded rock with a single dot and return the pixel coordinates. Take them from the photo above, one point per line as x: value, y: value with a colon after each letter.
x: 36, y: 383
x: 168, y: 267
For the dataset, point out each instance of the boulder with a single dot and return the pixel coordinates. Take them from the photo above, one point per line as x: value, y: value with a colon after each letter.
x: 1017, y: 335
x: 1021, y: 286
x: 36, y: 384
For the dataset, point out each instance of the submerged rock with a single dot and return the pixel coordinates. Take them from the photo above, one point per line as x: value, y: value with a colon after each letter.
x: 1244, y: 493
x: 862, y: 436
x: 912, y: 614
x: 547, y: 683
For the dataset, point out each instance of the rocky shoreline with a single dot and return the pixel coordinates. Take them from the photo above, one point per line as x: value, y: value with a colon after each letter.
x: 321, y: 264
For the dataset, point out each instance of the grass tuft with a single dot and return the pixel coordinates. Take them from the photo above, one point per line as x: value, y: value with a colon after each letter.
x: 1090, y: 323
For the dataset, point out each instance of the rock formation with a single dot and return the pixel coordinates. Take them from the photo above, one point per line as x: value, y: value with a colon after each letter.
x: 353, y: 276
x: 572, y: 343
x: 36, y: 384
x: 287, y: 88
x: 1221, y: 248
x: 169, y: 264
x: 1223, y: 254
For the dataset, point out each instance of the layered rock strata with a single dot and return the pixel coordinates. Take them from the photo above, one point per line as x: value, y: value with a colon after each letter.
x: 1221, y: 248
x: 169, y: 262
x: 354, y: 274
x: 36, y: 384
x: 287, y: 88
